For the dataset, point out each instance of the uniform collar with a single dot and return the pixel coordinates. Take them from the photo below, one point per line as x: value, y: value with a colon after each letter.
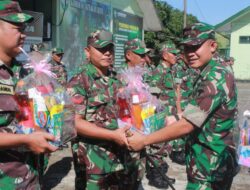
x: 207, y: 67
x: 165, y: 66
x: 96, y: 75
x: 2, y: 64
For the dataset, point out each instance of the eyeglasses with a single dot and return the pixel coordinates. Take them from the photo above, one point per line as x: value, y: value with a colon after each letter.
x: 192, y: 48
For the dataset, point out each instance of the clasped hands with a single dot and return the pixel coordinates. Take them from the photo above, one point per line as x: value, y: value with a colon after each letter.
x: 133, y: 140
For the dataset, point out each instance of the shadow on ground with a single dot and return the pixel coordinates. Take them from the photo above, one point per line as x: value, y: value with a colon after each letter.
x: 56, y: 173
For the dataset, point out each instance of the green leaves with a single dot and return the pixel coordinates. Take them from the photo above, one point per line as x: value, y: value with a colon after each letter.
x: 172, y: 22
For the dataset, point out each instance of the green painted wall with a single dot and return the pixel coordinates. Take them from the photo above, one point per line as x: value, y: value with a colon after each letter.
x: 241, y: 52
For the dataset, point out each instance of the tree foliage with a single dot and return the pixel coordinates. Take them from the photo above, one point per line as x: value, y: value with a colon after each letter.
x: 172, y: 23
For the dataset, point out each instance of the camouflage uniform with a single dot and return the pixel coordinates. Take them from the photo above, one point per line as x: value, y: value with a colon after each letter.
x: 165, y: 80
x: 210, y: 146
x: 151, y: 60
x: 98, y: 106
x: 162, y: 84
x: 185, y: 77
x: 17, y: 169
x: 59, y: 68
x: 211, y: 160
x: 103, y: 163
x: 224, y: 61
x: 156, y: 153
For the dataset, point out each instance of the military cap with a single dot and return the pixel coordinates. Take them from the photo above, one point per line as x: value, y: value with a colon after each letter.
x: 232, y: 59
x: 100, y: 39
x: 136, y: 46
x: 228, y: 58
x: 37, y: 47
x: 197, y: 33
x: 57, y: 50
x: 10, y: 11
x: 169, y: 47
x: 151, y: 53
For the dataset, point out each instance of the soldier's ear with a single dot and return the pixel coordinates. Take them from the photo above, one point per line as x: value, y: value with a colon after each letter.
x: 213, y: 45
x: 127, y: 55
x: 87, y: 53
x: 164, y: 55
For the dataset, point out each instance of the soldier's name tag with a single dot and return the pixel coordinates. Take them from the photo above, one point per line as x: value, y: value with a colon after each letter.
x: 6, y: 89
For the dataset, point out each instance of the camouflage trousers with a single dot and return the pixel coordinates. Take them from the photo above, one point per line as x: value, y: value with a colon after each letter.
x: 127, y: 179
x: 18, y: 171
x: 177, y: 145
x: 129, y: 176
x: 218, y: 178
x: 80, y: 172
x: 113, y: 181
x: 158, y: 153
x: 224, y: 184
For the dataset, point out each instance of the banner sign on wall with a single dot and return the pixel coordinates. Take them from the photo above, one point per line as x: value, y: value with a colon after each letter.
x: 125, y: 27
x: 81, y: 18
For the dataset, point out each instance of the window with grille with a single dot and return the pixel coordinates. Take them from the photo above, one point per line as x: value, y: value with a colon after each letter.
x: 244, y: 39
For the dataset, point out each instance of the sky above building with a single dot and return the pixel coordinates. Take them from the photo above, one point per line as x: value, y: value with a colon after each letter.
x: 211, y: 11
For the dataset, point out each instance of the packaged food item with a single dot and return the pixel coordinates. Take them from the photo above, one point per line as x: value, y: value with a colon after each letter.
x: 44, y: 104
x: 136, y: 112
x: 144, y: 110
x: 25, y: 113
x: 123, y: 112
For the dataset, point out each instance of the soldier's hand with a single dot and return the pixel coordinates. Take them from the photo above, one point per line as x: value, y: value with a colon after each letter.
x: 136, y: 141
x: 120, y: 136
x: 37, y: 142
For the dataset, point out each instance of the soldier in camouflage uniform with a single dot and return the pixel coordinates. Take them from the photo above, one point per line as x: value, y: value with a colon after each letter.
x: 161, y: 85
x: 208, y: 119
x: 150, y: 60
x: 99, y: 150
x: 163, y: 81
x: 228, y: 62
x: 184, y: 78
x: 135, y: 52
x: 18, y: 170
x: 172, y: 82
x: 57, y: 65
